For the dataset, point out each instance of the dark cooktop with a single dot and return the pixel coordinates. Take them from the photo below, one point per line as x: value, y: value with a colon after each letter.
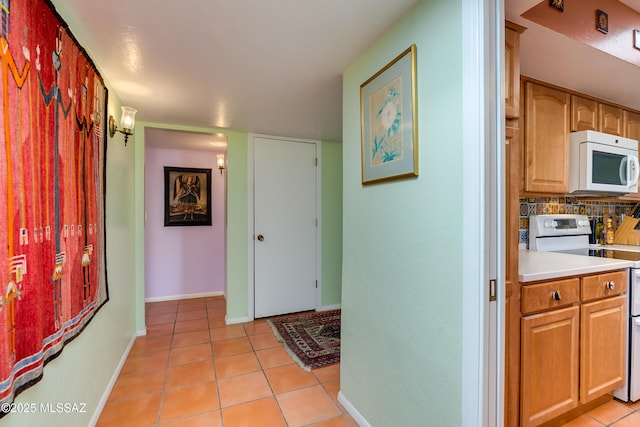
x: 605, y: 253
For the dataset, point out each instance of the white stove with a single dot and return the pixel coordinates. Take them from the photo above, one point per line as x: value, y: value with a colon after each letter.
x: 567, y: 233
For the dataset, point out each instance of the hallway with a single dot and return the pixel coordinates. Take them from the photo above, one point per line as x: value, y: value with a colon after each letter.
x: 193, y: 370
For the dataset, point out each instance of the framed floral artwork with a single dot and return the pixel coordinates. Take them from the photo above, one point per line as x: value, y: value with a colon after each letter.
x: 187, y: 196
x: 388, y: 118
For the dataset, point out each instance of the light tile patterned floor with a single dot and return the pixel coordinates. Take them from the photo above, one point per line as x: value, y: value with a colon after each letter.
x: 193, y: 370
x: 612, y: 413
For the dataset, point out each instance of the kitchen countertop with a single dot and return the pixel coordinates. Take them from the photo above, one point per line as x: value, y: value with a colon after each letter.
x: 536, y: 265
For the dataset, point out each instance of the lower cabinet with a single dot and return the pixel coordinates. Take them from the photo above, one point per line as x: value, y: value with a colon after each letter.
x: 549, y: 377
x: 573, y: 344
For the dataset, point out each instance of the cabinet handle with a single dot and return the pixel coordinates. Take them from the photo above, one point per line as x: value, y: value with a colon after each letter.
x: 555, y: 295
x: 611, y: 285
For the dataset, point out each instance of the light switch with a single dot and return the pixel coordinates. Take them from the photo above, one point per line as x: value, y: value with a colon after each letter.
x: 636, y: 39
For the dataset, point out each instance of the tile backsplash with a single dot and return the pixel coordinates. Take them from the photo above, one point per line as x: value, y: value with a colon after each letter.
x: 560, y: 205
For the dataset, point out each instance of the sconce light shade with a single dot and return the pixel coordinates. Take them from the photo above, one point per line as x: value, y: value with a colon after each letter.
x: 127, y: 123
x: 128, y: 120
x: 220, y: 160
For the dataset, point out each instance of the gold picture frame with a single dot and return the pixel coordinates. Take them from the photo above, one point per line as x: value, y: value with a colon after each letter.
x: 388, y: 120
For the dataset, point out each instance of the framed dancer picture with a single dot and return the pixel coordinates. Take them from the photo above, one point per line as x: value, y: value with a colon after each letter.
x: 187, y: 196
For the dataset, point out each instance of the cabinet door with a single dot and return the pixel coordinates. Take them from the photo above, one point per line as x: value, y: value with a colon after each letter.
x: 610, y: 119
x: 512, y: 72
x: 512, y: 286
x: 549, y: 374
x: 602, y: 347
x: 547, y: 126
x: 584, y: 114
x: 631, y: 123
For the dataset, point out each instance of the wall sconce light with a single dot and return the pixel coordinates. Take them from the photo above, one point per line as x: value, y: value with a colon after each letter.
x: 220, y: 160
x: 127, y: 122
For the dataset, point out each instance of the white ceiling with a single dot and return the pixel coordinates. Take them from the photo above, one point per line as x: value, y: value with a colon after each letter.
x: 275, y: 66
x: 270, y: 67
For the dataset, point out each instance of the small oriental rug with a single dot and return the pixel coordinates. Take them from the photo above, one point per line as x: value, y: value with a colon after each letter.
x: 312, y: 339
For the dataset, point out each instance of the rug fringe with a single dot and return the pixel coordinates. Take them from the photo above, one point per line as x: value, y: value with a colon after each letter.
x: 286, y: 347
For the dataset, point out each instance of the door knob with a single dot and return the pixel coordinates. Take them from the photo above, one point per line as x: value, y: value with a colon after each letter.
x: 260, y: 237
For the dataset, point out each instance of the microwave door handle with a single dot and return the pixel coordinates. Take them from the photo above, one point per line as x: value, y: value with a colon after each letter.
x: 633, y: 165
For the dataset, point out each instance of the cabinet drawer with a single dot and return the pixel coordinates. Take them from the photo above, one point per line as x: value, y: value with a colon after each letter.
x: 604, y: 285
x: 543, y: 296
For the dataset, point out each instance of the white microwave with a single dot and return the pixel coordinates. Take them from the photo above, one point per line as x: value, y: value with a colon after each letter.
x: 601, y: 163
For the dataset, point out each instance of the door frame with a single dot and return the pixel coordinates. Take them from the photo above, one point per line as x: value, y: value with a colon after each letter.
x: 251, y: 217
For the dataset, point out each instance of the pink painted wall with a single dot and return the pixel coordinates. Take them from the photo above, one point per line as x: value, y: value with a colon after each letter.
x: 182, y: 261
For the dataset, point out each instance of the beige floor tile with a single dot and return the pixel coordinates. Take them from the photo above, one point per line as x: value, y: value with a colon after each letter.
x: 191, y: 325
x: 160, y: 319
x: 307, y: 406
x: 160, y: 330
x: 231, y: 347
x: 243, y: 388
x: 191, y: 315
x: 208, y: 419
x: 289, y: 377
x: 192, y: 373
x: 263, y: 341
x: 186, y: 339
x: 632, y: 420
x: 610, y: 412
x: 257, y: 327
x: 140, y: 362
x: 327, y: 373
x: 258, y: 413
x: 136, y: 412
x: 138, y: 384
x: 227, y: 332
x: 273, y: 357
x: 334, y: 422
x: 150, y: 344
x: 237, y: 364
x: 190, y: 354
x: 188, y: 401
x: 583, y: 421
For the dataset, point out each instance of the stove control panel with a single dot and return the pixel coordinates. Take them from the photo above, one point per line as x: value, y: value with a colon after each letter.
x: 555, y: 231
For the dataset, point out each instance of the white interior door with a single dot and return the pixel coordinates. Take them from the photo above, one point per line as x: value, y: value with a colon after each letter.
x: 284, y: 226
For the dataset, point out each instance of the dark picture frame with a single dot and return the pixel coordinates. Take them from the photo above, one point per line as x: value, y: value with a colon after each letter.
x: 187, y: 196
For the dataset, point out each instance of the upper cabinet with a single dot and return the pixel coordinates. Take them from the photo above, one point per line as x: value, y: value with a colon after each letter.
x: 610, y: 119
x: 550, y: 114
x: 584, y: 114
x: 546, y: 139
x: 512, y: 69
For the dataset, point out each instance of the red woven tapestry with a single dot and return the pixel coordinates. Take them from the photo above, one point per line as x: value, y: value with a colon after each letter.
x: 52, y: 158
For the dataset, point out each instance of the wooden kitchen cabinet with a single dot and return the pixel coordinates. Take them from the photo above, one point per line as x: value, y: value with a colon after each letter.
x: 610, y: 119
x: 584, y: 114
x: 573, y: 344
x: 546, y: 139
x: 550, y: 345
x: 602, y: 340
x: 512, y: 69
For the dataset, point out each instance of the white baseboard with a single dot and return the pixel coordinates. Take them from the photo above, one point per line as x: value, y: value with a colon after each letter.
x: 330, y: 307
x: 357, y: 416
x: 107, y: 391
x: 234, y: 320
x: 141, y: 332
x: 186, y: 296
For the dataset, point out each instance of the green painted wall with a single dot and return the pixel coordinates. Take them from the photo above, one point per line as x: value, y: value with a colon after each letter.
x: 402, y: 253
x: 331, y: 222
